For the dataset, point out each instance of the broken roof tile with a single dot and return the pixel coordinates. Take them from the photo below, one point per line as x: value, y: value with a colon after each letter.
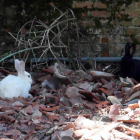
x: 29, y: 110
x: 40, y: 117
x: 88, y: 95
x: 68, y: 126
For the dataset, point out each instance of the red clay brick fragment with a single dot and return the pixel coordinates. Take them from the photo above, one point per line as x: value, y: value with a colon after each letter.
x: 17, y: 104
x: 8, y: 133
x: 48, y: 71
x: 89, y: 105
x: 96, y: 101
x: 6, y: 72
x: 136, y: 88
x: 104, y: 81
x: 101, y: 74
x: 10, y: 112
x: 134, y: 81
x: 70, y: 125
x: 35, y: 87
x: 103, y: 103
x: 44, y: 78
x: 51, y: 116
x: 89, y: 95
x: 121, y: 94
x: 29, y: 109
x: 111, y: 91
x: 9, y: 118
x: 51, y: 100
x: 96, y: 86
x: 104, y: 91
x: 48, y: 109
x: 108, y: 85
x: 119, y: 86
x: 24, y: 121
x: 15, y: 135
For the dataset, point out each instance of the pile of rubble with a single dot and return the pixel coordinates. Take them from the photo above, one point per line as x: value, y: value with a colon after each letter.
x: 68, y: 105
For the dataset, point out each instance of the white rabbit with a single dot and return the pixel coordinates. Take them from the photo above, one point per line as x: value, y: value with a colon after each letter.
x: 14, y: 86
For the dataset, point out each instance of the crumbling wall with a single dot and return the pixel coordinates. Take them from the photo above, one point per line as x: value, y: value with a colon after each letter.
x: 109, y: 28
x: 112, y: 26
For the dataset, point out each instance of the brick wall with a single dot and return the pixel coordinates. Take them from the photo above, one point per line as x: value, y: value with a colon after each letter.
x: 111, y: 35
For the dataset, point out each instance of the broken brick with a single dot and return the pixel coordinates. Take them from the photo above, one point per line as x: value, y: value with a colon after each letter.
x: 104, y: 81
x: 104, y: 91
x: 51, y: 116
x: 89, y: 95
x: 47, y: 77
x: 51, y: 100
x: 70, y: 125
x: 29, y: 109
x: 9, y: 118
x: 48, y: 108
x: 48, y: 71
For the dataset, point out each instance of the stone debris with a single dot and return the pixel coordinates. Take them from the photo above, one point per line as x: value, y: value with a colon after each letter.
x: 74, y: 105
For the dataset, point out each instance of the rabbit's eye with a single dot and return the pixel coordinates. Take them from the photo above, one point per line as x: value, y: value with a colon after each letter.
x: 28, y: 75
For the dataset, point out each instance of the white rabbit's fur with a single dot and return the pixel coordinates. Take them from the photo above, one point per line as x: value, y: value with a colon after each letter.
x: 14, y: 86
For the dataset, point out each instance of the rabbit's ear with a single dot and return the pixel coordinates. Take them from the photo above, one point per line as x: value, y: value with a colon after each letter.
x: 17, y: 64
x: 22, y: 67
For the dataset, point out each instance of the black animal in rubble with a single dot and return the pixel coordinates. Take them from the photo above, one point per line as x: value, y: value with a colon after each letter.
x: 130, y: 67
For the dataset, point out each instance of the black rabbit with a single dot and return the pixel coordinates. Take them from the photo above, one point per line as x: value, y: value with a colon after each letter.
x: 130, y: 67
